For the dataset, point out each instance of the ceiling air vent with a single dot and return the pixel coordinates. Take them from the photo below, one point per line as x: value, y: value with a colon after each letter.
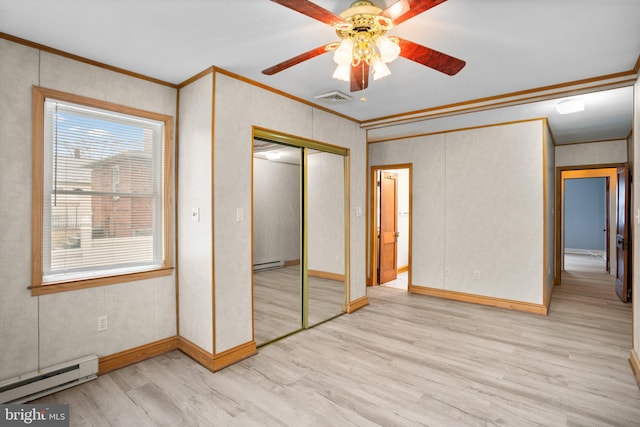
x: 333, y: 97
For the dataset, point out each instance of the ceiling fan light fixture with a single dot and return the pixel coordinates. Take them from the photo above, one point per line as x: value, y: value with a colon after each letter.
x: 569, y: 106
x: 380, y: 69
x: 343, y: 72
x: 344, y: 53
x: 389, y: 50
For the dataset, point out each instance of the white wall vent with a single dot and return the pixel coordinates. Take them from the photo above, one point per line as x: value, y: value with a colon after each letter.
x: 333, y: 97
x: 50, y: 380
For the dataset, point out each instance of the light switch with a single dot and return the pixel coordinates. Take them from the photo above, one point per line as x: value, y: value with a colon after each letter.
x: 195, y: 214
x: 239, y: 214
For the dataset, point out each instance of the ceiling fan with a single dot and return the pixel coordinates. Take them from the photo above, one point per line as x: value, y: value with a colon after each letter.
x: 362, y: 29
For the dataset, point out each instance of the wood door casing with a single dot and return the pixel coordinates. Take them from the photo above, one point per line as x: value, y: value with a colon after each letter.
x: 388, y: 247
x: 623, y: 243
x: 607, y: 221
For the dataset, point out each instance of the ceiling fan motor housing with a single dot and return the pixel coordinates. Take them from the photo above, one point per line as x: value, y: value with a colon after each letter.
x: 366, y: 25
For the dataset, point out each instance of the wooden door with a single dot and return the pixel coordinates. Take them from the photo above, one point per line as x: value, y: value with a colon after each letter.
x: 388, y: 263
x: 623, y: 242
x: 607, y: 221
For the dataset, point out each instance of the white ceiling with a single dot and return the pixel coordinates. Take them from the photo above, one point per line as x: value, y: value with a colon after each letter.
x: 509, y: 46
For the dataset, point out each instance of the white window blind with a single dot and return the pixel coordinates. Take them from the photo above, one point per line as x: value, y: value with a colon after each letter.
x: 103, y: 193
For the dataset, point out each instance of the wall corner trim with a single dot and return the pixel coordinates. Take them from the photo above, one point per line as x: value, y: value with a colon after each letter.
x: 137, y: 354
x: 526, y: 307
x: 234, y: 355
x: 549, y: 296
x: 195, y: 352
x: 357, y: 304
x: 218, y: 361
x: 634, y: 361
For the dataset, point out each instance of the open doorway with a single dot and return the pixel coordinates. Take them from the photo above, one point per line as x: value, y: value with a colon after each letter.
x: 592, y: 224
x: 588, y: 220
x: 586, y: 224
x: 390, y: 232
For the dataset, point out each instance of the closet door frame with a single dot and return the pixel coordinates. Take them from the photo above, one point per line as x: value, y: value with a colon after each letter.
x: 305, y: 144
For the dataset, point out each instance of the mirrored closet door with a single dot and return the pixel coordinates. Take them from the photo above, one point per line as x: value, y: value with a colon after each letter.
x: 325, y: 235
x: 277, y: 276
x: 299, y: 235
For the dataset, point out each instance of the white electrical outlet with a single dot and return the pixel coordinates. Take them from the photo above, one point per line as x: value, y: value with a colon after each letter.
x: 195, y: 214
x: 239, y: 214
x: 358, y: 211
x: 476, y: 274
x: 102, y: 323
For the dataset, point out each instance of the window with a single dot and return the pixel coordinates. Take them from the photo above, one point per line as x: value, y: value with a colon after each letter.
x: 101, y: 193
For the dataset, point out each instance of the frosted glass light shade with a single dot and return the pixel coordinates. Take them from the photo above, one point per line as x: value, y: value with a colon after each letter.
x: 343, y: 72
x: 380, y: 69
x: 388, y: 49
x: 344, y: 53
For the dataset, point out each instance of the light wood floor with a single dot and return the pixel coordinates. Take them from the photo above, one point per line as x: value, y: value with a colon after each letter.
x: 404, y: 360
x: 278, y: 301
x: 584, y: 263
x: 401, y: 282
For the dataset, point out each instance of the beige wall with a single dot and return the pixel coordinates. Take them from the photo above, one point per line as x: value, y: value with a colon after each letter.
x: 427, y: 154
x: 325, y: 213
x: 592, y: 153
x: 195, y: 191
x: 327, y: 127
x: 478, y: 200
x: 37, y: 332
x: 276, y: 210
x: 550, y: 211
x: 237, y: 106
x: 403, y: 217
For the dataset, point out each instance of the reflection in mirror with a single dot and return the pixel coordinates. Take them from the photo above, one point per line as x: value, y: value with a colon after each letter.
x: 277, y: 288
x: 325, y: 235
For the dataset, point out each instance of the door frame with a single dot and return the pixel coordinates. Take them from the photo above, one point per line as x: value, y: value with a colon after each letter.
x: 625, y: 245
x: 559, y: 216
x: 372, y: 240
x: 304, y: 144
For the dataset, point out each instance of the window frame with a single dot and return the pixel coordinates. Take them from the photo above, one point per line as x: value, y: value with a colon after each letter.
x: 38, y: 287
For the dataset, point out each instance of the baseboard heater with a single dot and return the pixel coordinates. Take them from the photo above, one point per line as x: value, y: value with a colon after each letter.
x: 268, y: 265
x: 50, y: 380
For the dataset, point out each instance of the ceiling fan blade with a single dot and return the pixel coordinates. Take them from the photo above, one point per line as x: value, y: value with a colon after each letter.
x: 298, y: 59
x: 431, y: 58
x: 314, y: 11
x: 359, y: 76
x: 402, y: 10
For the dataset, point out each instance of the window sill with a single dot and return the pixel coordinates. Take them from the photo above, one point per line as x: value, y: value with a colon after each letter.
x: 98, y: 281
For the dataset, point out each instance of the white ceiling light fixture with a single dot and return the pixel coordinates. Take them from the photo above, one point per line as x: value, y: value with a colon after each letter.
x: 273, y: 155
x: 364, y: 41
x: 569, y: 106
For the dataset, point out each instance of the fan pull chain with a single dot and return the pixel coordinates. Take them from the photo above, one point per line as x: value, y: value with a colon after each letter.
x: 364, y: 98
